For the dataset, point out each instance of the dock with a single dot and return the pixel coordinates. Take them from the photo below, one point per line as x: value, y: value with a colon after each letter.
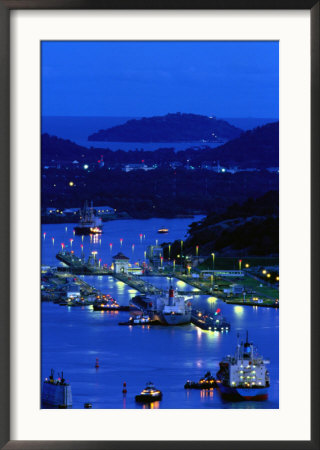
x: 79, y: 266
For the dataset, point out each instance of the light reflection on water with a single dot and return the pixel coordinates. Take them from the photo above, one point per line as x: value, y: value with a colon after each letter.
x: 72, y: 337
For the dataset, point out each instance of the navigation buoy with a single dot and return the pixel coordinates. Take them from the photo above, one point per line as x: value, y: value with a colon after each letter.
x: 124, y: 390
x: 97, y: 363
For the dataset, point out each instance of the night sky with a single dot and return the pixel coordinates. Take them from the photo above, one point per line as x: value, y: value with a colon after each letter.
x: 226, y: 79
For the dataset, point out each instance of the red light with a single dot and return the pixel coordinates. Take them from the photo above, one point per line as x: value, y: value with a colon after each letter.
x: 99, y: 160
x: 142, y: 160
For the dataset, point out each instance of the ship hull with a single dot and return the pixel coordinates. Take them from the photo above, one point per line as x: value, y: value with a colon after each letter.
x: 56, y: 395
x: 176, y: 319
x: 240, y: 394
x: 85, y: 231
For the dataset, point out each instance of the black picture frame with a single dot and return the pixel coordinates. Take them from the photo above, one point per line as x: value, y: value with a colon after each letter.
x: 5, y: 7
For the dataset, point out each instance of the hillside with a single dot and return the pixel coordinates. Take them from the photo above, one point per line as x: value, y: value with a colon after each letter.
x: 254, y: 148
x: 169, y: 128
x: 248, y: 229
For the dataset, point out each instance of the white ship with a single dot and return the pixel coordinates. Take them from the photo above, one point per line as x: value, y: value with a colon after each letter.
x: 244, y: 376
x: 171, y: 309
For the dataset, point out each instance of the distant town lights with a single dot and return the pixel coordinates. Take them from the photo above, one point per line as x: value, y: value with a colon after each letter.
x: 71, y: 183
x: 86, y: 166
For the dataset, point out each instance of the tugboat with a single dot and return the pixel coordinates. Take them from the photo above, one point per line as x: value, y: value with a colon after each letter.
x: 138, y: 319
x: 163, y: 230
x: 209, y: 321
x: 89, y: 222
x: 167, y: 309
x: 244, y: 376
x: 105, y: 303
x: 56, y: 392
x: 149, y: 394
x: 207, y: 382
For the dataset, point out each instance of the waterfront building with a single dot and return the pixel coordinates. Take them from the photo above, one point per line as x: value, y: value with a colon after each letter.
x: 120, y: 263
x: 140, y: 166
x: 100, y: 210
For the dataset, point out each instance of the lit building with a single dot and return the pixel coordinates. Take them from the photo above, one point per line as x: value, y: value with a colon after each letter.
x: 120, y: 263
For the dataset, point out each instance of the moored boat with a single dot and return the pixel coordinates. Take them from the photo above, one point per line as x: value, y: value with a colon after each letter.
x: 207, y: 382
x: 56, y: 392
x: 89, y: 223
x: 105, y: 303
x: 209, y: 320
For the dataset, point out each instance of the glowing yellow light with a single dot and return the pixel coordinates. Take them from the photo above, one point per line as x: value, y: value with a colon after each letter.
x: 264, y: 272
x: 268, y: 275
x: 238, y: 310
x: 71, y: 183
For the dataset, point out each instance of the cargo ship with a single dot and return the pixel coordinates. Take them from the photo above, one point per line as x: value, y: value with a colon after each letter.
x: 89, y: 223
x: 244, y: 376
x: 56, y: 392
x: 168, y: 309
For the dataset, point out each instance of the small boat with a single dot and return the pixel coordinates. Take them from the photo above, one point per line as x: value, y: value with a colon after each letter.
x: 105, y: 303
x: 140, y: 319
x: 207, y: 382
x: 163, y: 230
x: 149, y: 394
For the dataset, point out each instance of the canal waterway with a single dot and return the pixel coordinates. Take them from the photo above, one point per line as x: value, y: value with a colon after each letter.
x: 73, y: 337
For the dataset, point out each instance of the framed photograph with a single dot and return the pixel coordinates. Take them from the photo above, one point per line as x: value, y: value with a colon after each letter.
x: 162, y: 203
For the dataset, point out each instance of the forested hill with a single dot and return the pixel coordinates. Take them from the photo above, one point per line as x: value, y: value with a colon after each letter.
x: 250, y: 228
x: 254, y: 148
x: 257, y: 148
x: 170, y: 128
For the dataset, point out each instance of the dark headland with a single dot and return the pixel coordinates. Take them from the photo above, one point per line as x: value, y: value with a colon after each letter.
x: 170, y: 128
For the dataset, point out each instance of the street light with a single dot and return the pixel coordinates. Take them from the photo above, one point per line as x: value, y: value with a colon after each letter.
x: 169, y: 248
x: 189, y: 268
x: 197, y: 251
x: 174, y: 265
x: 212, y: 254
x: 240, y: 262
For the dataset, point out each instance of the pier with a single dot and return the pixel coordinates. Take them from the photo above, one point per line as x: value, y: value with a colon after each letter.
x: 79, y: 266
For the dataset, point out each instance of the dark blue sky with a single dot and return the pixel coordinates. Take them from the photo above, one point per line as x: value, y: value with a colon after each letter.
x: 226, y: 79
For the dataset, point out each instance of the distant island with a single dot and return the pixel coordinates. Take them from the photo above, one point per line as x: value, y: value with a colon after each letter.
x: 170, y: 128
